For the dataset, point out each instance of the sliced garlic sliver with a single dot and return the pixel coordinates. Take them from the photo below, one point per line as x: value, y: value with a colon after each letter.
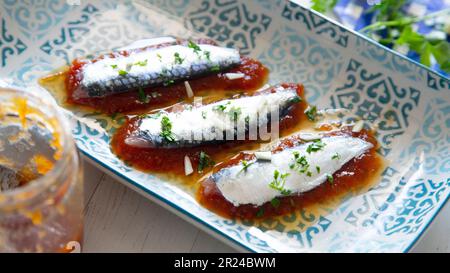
x: 358, y: 126
x: 264, y: 156
x: 187, y: 166
x: 189, y: 91
x: 234, y: 76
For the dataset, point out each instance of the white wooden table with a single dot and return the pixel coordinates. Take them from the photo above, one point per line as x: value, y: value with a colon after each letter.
x: 118, y: 219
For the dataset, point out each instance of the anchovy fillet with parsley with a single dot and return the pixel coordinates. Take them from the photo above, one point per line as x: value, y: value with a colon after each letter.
x: 291, y: 170
x: 155, y: 65
x: 229, y: 119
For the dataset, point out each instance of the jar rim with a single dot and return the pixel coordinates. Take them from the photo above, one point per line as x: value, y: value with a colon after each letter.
x: 44, y: 182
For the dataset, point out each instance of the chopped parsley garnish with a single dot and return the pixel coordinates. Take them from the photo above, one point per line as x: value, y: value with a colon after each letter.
x: 141, y: 63
x: 168, y: 82
x: 207, y: 55
x: 204, y: 162
x: 336, y: 156
x: 297, y: 99
x: 203, y: 114
x: 123, y: 72
x: 114, y: 66
x: 221, y: 107
x: 308, y: 173
x: 318, y: 169
x: 234, y: 113
x: 278, y: 182
x: 330, y: 178
x: 215, y: 68
x: 194, y: 47
x: 245, y: 165
x: 275, y: 202
x: 178, y: 59
x: 260, y: 212
x: 317, y: 145
x: 300, y: 164
x: 311, y: 113
x: 144, y: 98
x: 166, y: 129
x: 159, y: 56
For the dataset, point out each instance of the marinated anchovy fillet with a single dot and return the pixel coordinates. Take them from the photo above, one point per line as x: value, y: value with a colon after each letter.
x: 291, y: 171
x: 228, y: 119
x: 153, y: 73
x: 153, y: 66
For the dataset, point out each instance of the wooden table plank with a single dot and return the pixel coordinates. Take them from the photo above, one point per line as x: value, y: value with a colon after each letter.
x: 118, y: 219
x: 92, y: 177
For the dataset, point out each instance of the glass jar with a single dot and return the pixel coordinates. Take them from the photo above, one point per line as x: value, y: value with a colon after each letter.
x: 41, y: 189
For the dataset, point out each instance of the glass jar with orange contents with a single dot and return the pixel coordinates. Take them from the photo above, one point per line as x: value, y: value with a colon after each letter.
x: 41, y: 198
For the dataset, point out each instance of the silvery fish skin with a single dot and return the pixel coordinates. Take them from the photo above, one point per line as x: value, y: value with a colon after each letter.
x: 154, y: 66
x: 252, y: 185
x: 228, y: 119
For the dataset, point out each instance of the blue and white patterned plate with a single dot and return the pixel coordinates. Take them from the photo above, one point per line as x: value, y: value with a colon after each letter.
x: 339, y: 68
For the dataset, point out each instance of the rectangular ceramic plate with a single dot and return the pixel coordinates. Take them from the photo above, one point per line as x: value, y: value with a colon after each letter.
x: 338, y: 67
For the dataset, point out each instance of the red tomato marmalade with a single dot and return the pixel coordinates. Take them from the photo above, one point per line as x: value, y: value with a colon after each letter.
x: 363, y: 167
